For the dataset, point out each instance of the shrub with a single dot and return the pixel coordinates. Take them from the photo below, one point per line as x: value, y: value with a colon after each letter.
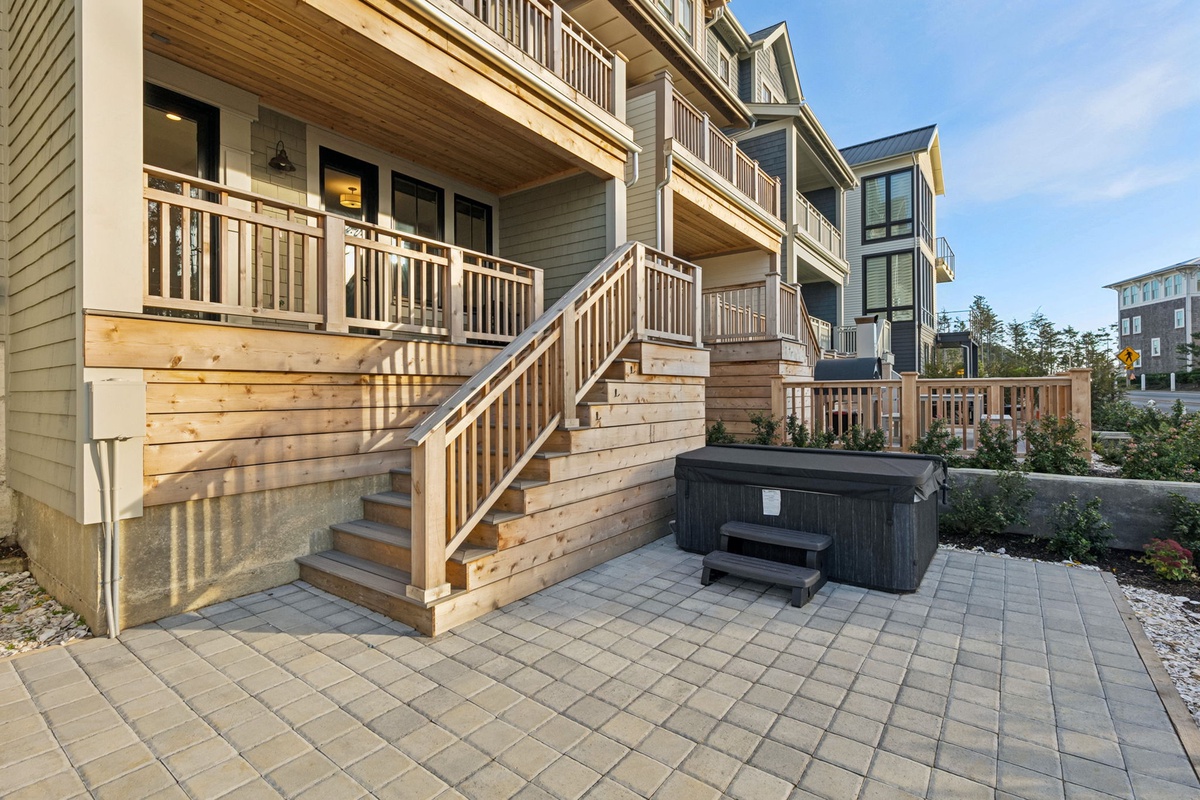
x: 996, y: 448
x: 717, y: 434
x: 1170, y: 560
x: 870, y: 441
x: 766, y: 429
x: 1080, y: 533
x: 1163, y: 449
x: 1183, y: 520
x: 1053, y: 446
x: 978, y: 510
x: 939, y: 441
x: 1114, y: 415
x: 797, y: 435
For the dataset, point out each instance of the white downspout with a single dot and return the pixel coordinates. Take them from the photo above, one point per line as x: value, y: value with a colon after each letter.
x: 659, y: 209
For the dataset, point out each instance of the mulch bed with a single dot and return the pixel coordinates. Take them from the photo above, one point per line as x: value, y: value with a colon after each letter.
x: 1119, y: 562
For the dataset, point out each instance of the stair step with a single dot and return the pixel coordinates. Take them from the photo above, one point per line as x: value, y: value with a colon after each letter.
x: 402, y: 481
x: 801, y: 580
x: 784, y: 537
x: 401, y: 538
x: 374, y: 586
x: 401, y: 503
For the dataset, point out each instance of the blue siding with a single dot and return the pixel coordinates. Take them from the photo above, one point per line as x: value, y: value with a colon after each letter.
x: 770, y: 150
x: 821, y: 299
x: 826, y: 201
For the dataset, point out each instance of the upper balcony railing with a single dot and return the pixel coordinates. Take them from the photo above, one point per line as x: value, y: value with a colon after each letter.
x: 211, y: 249
x: 770, y: 309
x: 704, y: 140
x: 945, y: 261
x: 548, y: 35
x: 824, y: 333
x: 817, y: 228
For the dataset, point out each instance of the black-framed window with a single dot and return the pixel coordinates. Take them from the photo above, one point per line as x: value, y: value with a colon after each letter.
x: 888, y: 285
x: 472, y: 224
x: 180, y: 133
x: 926, y: 210
x: 888, y: 206
x: 349, y: 186
x: 418, y: 207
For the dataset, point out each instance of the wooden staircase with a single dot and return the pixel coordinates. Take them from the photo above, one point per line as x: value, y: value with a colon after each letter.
x: 596, y: 482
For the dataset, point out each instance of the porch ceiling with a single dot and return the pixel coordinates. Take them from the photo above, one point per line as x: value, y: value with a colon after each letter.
x: 337, y: 73
x: 708, y: 222
x: 698, y: 233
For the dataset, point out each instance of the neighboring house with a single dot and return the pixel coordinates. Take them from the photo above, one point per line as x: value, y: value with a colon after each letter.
x: 1156, y: 312
x: 896, y: 257
x: 302, y: 232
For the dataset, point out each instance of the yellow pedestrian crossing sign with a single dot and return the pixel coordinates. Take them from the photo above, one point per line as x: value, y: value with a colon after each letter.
x: 1128, y: 357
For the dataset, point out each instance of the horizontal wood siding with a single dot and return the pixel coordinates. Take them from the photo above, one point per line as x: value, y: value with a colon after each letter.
x: 39, y: 239
x: 640, y: 199
x: 237, y: 410
x: 740, y: 382
x: 559, y: 227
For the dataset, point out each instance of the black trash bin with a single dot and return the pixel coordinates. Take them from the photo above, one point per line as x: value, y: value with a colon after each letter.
x: 880, y: 508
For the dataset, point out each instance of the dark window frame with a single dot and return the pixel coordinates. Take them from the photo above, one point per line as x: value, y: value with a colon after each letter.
x: 889, y: 309
x: 367, y: 172
x: 208, y: 124
x: 887, y: 207
x: 441, y: 201
x: 491, y: 221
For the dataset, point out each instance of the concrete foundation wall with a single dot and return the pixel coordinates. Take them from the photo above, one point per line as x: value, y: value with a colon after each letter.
x: 189, y: 555
x: 1136, y: 509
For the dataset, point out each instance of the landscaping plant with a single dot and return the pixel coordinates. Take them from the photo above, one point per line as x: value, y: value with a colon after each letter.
x: 797, y: 435
x: 872, y: 441
x: 940, y: 441
x: 766, y: 429
x: 716, y: 434
x: 1080, y: 532
x: 1183, y: 520
x: 995, y: 449
x: 1170, y: 560
x: 978, y: 510
x: 1053, y: 446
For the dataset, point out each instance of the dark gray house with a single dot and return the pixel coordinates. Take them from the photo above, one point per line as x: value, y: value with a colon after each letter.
x: 1156, y: 312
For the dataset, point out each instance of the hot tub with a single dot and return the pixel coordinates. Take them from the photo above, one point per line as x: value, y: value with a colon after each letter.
x: 880, y: 508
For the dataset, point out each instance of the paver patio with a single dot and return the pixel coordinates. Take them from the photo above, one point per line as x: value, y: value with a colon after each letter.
x: 1000, y: 678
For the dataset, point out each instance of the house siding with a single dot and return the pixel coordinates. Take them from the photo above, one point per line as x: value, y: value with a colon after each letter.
x: 767, y: 71
x: 826, y: 201
x: 640, y: 202
x: 559, y: 227
x: 39, y: 74
x: 770, y: 151
x: 270, y: 128
x: 821, y: 300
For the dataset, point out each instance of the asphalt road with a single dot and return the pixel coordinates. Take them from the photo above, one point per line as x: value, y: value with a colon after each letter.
x: 1164, y: 399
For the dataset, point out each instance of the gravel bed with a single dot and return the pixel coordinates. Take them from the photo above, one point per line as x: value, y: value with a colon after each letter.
x: 30, y: 618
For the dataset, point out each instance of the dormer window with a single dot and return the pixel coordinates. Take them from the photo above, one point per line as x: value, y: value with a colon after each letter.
x: 764, y: 93
x: 682, y: 13
x: 723, y: 67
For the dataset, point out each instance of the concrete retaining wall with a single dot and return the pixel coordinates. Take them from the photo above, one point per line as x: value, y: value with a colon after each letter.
x: 1136, y: 509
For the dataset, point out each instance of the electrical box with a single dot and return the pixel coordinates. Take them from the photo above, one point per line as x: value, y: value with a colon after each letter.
x: 118, y: 409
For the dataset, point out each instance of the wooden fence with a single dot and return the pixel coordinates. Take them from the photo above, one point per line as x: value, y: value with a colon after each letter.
x: 905, y: 409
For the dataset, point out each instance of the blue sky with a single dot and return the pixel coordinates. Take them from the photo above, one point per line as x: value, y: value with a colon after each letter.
x: 1070, y: 132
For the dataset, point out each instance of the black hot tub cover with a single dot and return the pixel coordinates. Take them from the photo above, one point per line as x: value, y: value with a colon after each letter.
x: 894, y: 477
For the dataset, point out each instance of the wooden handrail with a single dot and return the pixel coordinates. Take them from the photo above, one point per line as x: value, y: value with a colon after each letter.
x: 471, y: 448
x: 214, y: 249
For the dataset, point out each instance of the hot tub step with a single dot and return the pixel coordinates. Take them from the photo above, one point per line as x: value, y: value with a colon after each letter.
x: 801, y: 580
x: 812, y: 544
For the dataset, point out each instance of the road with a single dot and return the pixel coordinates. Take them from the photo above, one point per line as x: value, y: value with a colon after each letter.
x: 1164, y: 399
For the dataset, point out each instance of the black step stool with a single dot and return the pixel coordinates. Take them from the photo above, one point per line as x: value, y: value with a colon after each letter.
x: 804, y: 581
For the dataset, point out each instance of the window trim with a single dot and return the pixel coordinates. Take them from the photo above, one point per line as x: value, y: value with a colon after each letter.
x: 889, y: 309
x: 1155, y: 347
x: 1137, y: 324
x: 1180, y: 318
x: 887, y: 204
x: 1125, y: 326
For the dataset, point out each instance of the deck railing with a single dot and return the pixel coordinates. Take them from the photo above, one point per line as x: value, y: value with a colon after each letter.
x: 694, y: 131
x: 905, y: 409
x: 945, y: 261
x: 817, y: 228
x: 469, y: 450
x: 211, y: 249
x: 823, y: 332
x: 769, y: 309
x: 846, y: 339
x: 548, y: 35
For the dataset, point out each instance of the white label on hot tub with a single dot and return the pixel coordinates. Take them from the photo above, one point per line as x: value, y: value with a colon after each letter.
x: 771, y: 500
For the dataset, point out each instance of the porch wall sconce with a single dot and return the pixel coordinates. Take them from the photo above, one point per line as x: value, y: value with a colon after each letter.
x: 281, y: 161
x: 351, y: 200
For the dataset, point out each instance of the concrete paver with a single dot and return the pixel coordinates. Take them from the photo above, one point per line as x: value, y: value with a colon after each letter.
x: 999, y: 678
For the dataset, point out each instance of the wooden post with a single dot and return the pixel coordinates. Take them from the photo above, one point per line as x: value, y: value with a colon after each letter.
x: 1081, y: 404
x: 910, y: 404
x: 639, y: 292
x: 554, y: 46
x: 778, y: 398
x: 539, y: 296
x: 570, y: 381
x: 429, y: 534
x: 618, y: 85
x: 333, y: 264
x: 756, y: 183
x: 704, y: 140
x: 698, y: 308
x: 771, y: 305
x: 456, y: 294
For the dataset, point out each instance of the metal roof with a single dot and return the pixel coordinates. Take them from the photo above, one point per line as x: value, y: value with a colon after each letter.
x: 895, y: 145
x: 1191, y: 262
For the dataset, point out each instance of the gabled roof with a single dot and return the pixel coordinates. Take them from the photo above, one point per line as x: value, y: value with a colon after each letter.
x: 758, y: 36
x: 1192, y: 263
x: 778, y: 41
x: 915, y: 141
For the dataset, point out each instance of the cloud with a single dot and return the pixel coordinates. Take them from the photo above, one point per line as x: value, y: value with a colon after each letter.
x: 1098, y: 128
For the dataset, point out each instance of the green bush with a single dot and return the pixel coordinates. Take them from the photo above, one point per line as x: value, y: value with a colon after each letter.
x: 716, y: 434
x: 995, y: 449
x: 1052, y: 445
x: 869, y: 441
x: 1080, y: 533
x: 977, y: 509
x: 797, y: 435
x: 766, y: 429
x: 1183, y: 520
x: 939, y: 441
x: 1170, y: 560
x: 1165, y: 448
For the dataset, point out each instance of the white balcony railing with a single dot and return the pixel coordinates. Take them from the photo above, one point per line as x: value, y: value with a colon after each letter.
x: 812, y: 224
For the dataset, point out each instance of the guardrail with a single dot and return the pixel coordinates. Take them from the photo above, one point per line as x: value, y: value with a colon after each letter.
x: 211, y: 249
x: 770, y: 309
x: 818, y: 228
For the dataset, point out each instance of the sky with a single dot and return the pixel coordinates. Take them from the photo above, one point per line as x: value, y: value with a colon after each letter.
x: 1070, y: 132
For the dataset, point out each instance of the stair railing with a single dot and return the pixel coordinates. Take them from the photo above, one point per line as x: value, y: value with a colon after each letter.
x: 471, y: 448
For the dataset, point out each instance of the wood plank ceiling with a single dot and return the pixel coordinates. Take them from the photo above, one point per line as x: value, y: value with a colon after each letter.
x: 305, y: 63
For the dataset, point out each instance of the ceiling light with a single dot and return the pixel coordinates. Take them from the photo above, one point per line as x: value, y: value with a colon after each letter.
x: 352, y: 199
x: 171, y: 115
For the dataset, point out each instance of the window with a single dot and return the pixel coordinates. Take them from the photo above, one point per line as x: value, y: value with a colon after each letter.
x: 1137, y: 324
x: 1178, y: 281
x: 888, y: 206
x: 1154, y: 289
x: 1155, y: 347
x: 682, y: 13
x: 1125, y: 326
x: 1146, y: 292
x: 1179, y: 318
x: 417, y: 207
x: 723, y: 67
x: 1125, y: 296
x: 888, y: 285
x: 1135, y: 296
x: 926, y: 210
x: 349, y: 186
x: 472, y: 224
x: 764, y: 94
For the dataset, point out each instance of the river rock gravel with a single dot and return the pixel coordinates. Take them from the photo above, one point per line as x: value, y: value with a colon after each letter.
x: 30, y: 618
